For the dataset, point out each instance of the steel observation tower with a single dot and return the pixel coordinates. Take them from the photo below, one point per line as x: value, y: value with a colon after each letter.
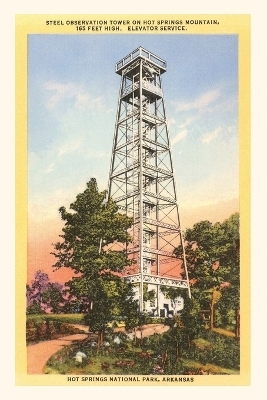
x: 141, y: 179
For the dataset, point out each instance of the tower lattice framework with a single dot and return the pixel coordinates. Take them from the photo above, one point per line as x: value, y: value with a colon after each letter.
x: 141, y: 179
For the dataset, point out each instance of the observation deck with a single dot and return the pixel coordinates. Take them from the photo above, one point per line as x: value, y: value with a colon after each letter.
x: 144, y: 54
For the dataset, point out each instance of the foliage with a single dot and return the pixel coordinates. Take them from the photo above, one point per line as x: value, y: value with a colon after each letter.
x: 93, y: 246
x: 91, y: 220
x: 47, y: 328
x: 148, y: 295
x: 44, y: 296
x: 156, y: 356
x: 31, y: 331
x: 34, y: 308
x: 213, y: 259
x: 57, y: 318
x: 75, y: 305
x: 223, y: 351
x: 53, y: 297
x: 112, y: 298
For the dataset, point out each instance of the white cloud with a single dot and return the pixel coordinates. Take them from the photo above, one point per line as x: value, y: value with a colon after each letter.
x: 50, y: 168
x: 170, y: 122
x: 96, y: 154
x: 187, y: 123
x: 232, y: 129
x: 208, y: 137
x: 60, y: 92
x: 201, y: 103
x: 82, y: 146
x: 181, y: 135
x: 70, y: 146
x: 84, y: 101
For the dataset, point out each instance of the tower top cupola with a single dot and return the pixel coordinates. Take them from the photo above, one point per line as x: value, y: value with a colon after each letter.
x: 141, y: 53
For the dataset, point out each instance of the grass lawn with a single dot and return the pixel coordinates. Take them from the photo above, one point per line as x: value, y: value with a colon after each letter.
x: 211, y: 353
x: 121, y: 360
x: 129, y: 359
x: 67, y: 318
x: 202, y: 344
x: 129, y: 364
x: 212, y: 369
x: 224, y: 332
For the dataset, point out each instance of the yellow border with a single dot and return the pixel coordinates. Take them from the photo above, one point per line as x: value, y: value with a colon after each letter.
x: 36, y: 24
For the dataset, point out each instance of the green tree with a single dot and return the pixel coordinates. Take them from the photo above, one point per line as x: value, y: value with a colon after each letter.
x: 212, y: 253
x: 35, y: 308
x: 92, y: 245
x: 230, y: 258
x: 43, y: 295
x: 168, y: 346
x: 189, y: 318
x: 53, y: 297
x: 148, y: 295
x: 112, y: 297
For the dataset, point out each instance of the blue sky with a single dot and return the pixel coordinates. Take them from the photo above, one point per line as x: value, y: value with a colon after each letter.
x: 72, y: 101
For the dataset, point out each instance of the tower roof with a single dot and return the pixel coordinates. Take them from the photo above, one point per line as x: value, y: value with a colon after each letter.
x: 140, y: 52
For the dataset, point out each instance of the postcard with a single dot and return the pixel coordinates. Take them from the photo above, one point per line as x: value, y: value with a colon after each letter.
x: 133, y: 200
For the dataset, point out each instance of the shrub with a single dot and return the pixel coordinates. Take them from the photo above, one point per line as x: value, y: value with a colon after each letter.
x: 31, y: 332
x: 51, y: 330
x: 68, y: 329
x: 224, y: 351
x: 42, y: 331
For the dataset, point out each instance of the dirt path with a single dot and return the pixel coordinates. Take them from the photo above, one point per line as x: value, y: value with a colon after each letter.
x: 151, y: 329
x: 38, y: 354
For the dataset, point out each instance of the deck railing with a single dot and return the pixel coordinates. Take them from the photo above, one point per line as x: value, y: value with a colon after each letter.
x: 141, y: 52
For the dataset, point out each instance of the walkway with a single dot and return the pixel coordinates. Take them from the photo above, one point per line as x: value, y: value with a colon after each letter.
x: 150, y: 329
x: 38, y: 354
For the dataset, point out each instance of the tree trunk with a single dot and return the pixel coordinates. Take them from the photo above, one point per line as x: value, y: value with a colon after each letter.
x: 188, y: 342
x: 164, y: 358
x: 212, y: 311
x: 177, y: 352
x: 237, y: 323
x: 99, y: 339
x: 135, y: 335
x: 141, y: 334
